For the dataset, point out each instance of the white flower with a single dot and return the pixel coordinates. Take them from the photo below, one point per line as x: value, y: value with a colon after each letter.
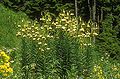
x: 40, y: 35
x: 37, y: 32
x: 32, y: 26
x: 95, y: 34
x: 48, y: 48
x: 67, y: 13
x: 23, y: 30
x: 89, y: 44
x: 58, y: 25
x: 68, y: 29
x: 88, y: 25
x: 85, y: 44
x: 72, y: 14
x: 79, y: 35
x: 65, y: 24
x: 87, y: 33
x: 66, y: 17
x: 82, y: 29
x: 83, y: 24
x: 63, y: 19
x: 39, y: 42
x: 24, y: 35
x: 51, y: 36
x: 83, y: 34
x: 34, y: 38
x: 43, y: 37
x: 42, y: 27
x: 50, y: 28
x: 19, y: 25
x: 74, y: 29
x: 63, y: 27
x: 33, y: 31
x: 29, y: 28
x: 36, y: 28
x: 45, y: 44
x: 42, y: 19
x: 41, y: 49
x: 48, y: 36
x: 22, y: 20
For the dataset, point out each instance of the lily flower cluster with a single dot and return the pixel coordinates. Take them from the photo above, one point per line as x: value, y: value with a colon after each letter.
x: 34, y: 32
x: 76, y: 28
x: 5, y: 69
x: 49, y: 28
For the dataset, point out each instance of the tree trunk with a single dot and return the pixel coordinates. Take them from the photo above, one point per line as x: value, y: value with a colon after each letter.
x: 94, y: 16
x: 101, y: 15
x: 94, y: 11
x: 76, y: 8
x: 90, y: 10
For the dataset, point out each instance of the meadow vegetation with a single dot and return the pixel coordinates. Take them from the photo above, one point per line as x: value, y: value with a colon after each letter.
x: 56, y: 47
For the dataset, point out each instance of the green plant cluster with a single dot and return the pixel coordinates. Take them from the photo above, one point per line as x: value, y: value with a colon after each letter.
x: 60, y: 47
x: 71, y: 53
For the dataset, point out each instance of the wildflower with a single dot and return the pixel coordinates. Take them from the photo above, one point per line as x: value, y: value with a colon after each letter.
x: 74, y: 29
x: 68, y: 29
x: 63, y: 19
x: 58, y: 25
x: 40, y: 35
x: 24, y: 35
x: 43, y: 37
x: 62, y: 14
x: 39, y: 42
x: 48, y: 48
x: 83, y: 24
x: 45, y: 44
x: 42, y: 50
x: 18, y: 34
x: 63, y: 27
x: 89, y: 44
x: 50, y: 28
x: 36, y: 28
x: 82, y: 29
x: 22, y: 20
x: 29, y: 28
x: 34, y: 38
x: 19, y: 25
x: 38, y: 39
x: 65, y: 24
x: 48, y: 36
x: 79, y: 35
x: 37, y: 32
x: 23, y: 30
x: 33, y: 31
x: 66, y: 17
x: 87, y: 33
x: 42, y: 27
x: 88, y: 25
x: 95, y: 34
x: 83, y: 34
x: 51, y: 36
x: 85, y: 44
x: 72, y: 14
